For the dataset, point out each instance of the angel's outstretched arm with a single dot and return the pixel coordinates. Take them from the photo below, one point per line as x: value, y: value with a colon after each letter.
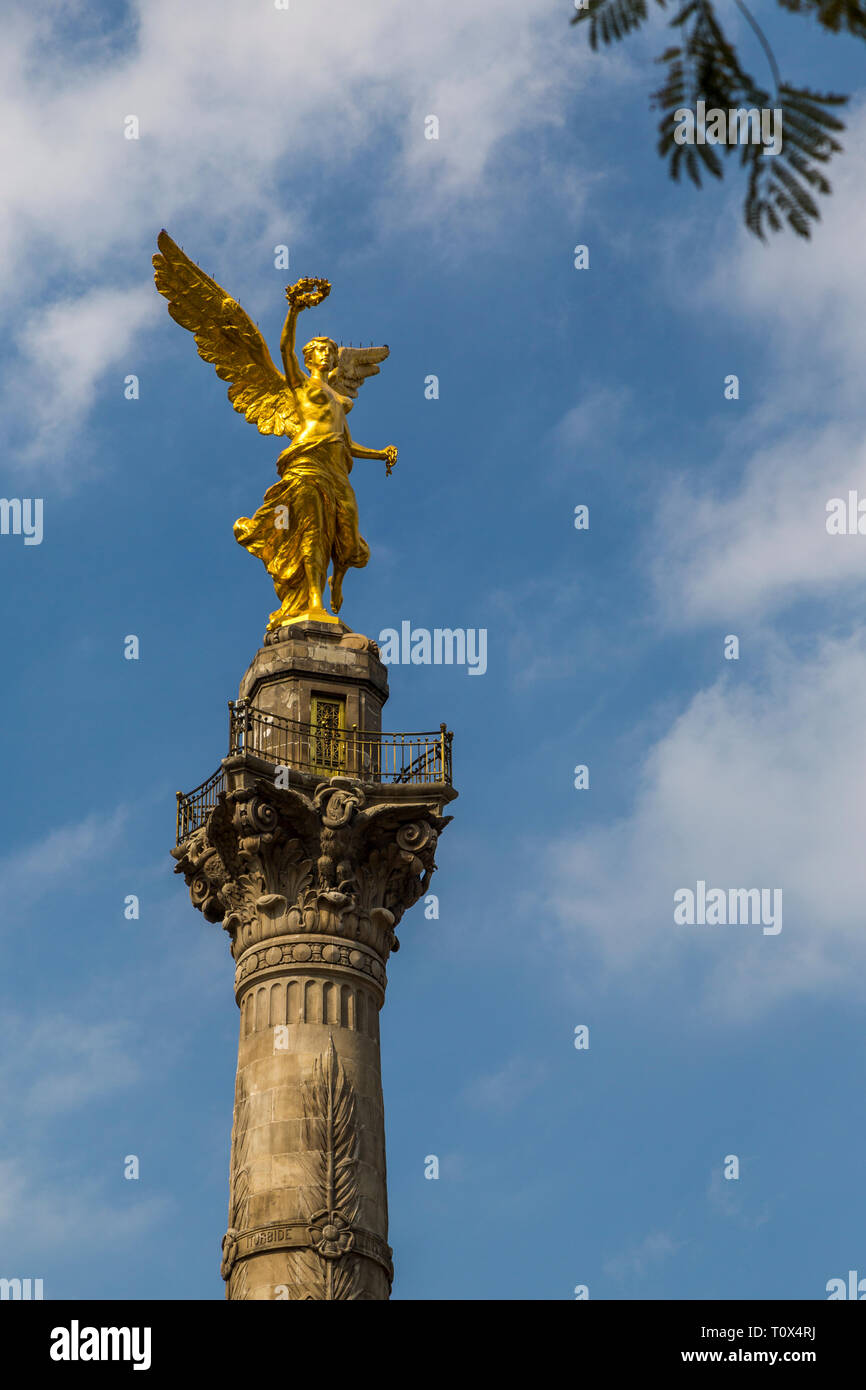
x: 294, y: 375
x: 358, y: 451
x: 388, y: 454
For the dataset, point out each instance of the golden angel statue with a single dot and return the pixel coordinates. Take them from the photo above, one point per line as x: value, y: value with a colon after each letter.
x: 309, y: 519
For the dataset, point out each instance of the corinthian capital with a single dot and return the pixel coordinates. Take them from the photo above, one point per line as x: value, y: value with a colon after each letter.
x: 272, y: 863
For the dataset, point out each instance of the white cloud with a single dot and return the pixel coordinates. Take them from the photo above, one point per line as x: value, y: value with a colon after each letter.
x: 753, y: 784
x: 54, y: 1065
x: 751, y: 787
x: 808, y: 297
x: 724, y: 558
x: 732, y: 1198
x: 65, y: 351
x: 51, y: 1069
x: 600, y: 412
x: 504, y: 1090
x: 236, y: 103
x: 722, y: 553
x: 26, y: 874
x: 638, y: 1261
x: 44, y: 1212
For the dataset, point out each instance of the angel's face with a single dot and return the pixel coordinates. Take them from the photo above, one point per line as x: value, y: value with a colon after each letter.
x: 321, y: 356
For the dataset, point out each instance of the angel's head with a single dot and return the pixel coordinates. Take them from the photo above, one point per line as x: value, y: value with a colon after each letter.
x: 321, y: 353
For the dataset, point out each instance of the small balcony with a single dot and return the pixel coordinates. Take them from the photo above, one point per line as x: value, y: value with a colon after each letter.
x: 316, y: 753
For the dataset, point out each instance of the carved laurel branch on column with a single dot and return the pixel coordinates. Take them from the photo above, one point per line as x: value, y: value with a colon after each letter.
x: 329, y: 1102
x: 328, y: 1266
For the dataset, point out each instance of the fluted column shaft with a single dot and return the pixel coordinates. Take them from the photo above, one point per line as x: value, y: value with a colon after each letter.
x: 309, y: 886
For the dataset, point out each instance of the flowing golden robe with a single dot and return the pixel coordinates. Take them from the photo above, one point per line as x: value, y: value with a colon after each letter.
x: 310, y: 517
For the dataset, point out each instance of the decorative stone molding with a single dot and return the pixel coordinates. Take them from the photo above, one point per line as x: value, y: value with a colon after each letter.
x: 328, y: 1234
x: 339, y: 634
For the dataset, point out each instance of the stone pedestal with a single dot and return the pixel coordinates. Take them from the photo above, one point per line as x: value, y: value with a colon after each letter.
x: 304, y: 660
x: 310, y: 875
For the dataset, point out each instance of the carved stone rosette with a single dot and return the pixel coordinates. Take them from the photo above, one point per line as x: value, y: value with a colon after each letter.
x: 310, y: 887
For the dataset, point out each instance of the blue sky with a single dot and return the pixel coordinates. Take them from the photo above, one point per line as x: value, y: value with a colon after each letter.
x: 558, y: 1167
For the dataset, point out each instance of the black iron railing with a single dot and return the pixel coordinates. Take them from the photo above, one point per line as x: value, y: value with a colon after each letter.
x: 412, y: 758
x: 193, y: 808
x: 407, y: 759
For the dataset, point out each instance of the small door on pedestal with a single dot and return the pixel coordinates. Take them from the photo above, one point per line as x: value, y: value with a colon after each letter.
x: 328, y: 752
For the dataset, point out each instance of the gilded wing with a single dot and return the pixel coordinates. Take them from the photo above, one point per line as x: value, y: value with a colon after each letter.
x: 227, y: 337
x: 353, y: 367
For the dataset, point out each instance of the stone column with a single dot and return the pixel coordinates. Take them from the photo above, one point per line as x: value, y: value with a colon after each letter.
x: 310, y: 881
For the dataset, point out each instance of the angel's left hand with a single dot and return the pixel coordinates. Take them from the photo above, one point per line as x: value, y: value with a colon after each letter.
x: 390, y: 453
